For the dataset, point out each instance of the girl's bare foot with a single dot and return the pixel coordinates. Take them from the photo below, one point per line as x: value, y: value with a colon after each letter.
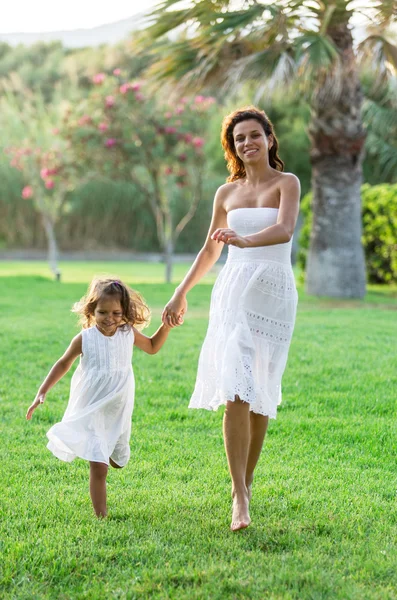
x: 240, y: 514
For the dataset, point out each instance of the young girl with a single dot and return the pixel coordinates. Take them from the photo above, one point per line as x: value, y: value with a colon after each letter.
x: 97, y: 423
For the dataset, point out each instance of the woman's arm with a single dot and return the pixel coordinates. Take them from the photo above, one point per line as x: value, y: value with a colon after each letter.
x: 60, y: 368
x: 151, y: 345
x: 282, y: 231
x: 205, y: 259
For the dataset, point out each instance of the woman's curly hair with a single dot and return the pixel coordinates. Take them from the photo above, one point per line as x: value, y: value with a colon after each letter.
x: 234, y: 164
x: 135, y: 311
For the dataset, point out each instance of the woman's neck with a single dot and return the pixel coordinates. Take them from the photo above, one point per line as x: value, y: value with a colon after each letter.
x: 258, y: 174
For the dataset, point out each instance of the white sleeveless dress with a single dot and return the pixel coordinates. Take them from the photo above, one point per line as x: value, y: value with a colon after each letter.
x: 252, y: 316
x: 97, y: 421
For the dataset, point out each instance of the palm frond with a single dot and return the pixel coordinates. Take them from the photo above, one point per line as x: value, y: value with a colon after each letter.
x: 380, y: 53
x: 380, y: 117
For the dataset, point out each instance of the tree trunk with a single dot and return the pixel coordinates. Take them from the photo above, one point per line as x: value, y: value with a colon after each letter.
x: 53, y: 254
x: 168, y: 259
x: 335, y: 265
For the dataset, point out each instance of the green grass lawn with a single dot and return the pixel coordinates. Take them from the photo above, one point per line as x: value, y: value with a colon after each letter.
x: 324, y: 508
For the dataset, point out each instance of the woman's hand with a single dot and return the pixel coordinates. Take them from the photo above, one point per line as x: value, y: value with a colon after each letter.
x: 36, y: 402
x: 174, y: 311
x: 230, y: 237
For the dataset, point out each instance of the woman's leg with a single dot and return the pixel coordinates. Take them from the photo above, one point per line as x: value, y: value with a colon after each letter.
x: 258, y: 428
x: 98, y: 473
x: 236, y: 431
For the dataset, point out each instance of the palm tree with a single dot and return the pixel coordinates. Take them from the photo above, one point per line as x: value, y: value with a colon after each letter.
x: 306, y: 45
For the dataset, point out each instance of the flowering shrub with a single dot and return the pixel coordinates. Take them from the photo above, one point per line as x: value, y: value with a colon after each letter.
x: 120, y: 131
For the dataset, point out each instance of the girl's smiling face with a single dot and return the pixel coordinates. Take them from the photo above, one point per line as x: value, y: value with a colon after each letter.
x: 250, y: 141
x: 108, y: 314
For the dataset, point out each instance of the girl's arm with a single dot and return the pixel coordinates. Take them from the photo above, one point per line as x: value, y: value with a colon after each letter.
x: 151, y: 345
x: 60, y: 368
x: 281, y: 232
x: 206, y: 258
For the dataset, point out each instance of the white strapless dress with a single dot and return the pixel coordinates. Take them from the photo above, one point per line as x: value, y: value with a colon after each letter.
x: 252, y: 317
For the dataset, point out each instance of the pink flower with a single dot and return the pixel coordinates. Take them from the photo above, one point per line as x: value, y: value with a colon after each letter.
x: 184, y: 100
x: 84, y: 120
x: 53, y: 171
x: 110, y: 142
x: 168, y: 170
x: 44, y: 173
x: 27, y: 192
x: 124, y: 88
x: 210, y: 100
x: 179, y: 110
x: 99, y: 78
x: 136, y: 86
x: 140, y: 97
x: 168, y: 115
x: 117, y: 72
x: 55, y: 131
x: 49, y: 184
x: 182, y: 157
x: 188, y: 137
x: 170, y: 129
x: 199, y: 99
x: 103, y: 126
x: 109, y: 102
x: 198, y: 142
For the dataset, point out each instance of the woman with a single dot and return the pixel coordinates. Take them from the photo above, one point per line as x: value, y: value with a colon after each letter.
x: 254, y: 299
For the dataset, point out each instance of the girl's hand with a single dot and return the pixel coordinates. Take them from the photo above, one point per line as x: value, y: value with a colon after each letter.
x: 36, y: 402
x: 229, y: 237
x: 173, y: 312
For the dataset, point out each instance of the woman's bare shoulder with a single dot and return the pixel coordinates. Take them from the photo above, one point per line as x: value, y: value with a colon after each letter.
x: 228, y: 187
x: 225, y: 190
x: 288, y: 178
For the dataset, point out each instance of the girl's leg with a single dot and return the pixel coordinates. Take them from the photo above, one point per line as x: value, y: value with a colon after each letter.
x: 236, y: 427
x: 258, y: 428
x: 114, y: 465
x: 98, y: 473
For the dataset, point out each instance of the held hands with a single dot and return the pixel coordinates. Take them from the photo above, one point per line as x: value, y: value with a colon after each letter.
x: 36, y: 402
x: 229, y: 237
x: 173, y: 312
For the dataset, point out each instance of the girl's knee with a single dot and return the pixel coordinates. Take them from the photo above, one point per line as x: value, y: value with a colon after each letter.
x: 98, y: 469
x: 115, y: 465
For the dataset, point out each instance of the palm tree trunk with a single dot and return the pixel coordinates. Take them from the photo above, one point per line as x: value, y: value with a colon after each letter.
x: 335, y: 265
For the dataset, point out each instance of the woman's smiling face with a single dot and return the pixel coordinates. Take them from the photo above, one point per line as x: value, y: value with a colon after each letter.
x: 250, y: 141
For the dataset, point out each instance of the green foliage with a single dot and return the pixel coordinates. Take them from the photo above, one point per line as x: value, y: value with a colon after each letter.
x: 380, y: 232
x: 379, y: 210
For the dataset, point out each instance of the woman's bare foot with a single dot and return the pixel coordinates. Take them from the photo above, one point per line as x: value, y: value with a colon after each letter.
x: 240, y: 514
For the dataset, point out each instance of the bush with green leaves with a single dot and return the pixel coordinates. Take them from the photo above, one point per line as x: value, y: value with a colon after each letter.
x: 379, y: 231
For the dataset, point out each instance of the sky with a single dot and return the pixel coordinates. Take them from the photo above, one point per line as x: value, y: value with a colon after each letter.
x: 25, y: 16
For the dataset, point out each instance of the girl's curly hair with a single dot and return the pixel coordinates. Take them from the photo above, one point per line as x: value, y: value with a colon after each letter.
x: 135, y: 311
x: 234, y: 164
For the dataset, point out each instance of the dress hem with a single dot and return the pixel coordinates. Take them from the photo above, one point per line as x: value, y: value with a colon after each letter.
x: 70, y: 456
x: 223, y: 403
